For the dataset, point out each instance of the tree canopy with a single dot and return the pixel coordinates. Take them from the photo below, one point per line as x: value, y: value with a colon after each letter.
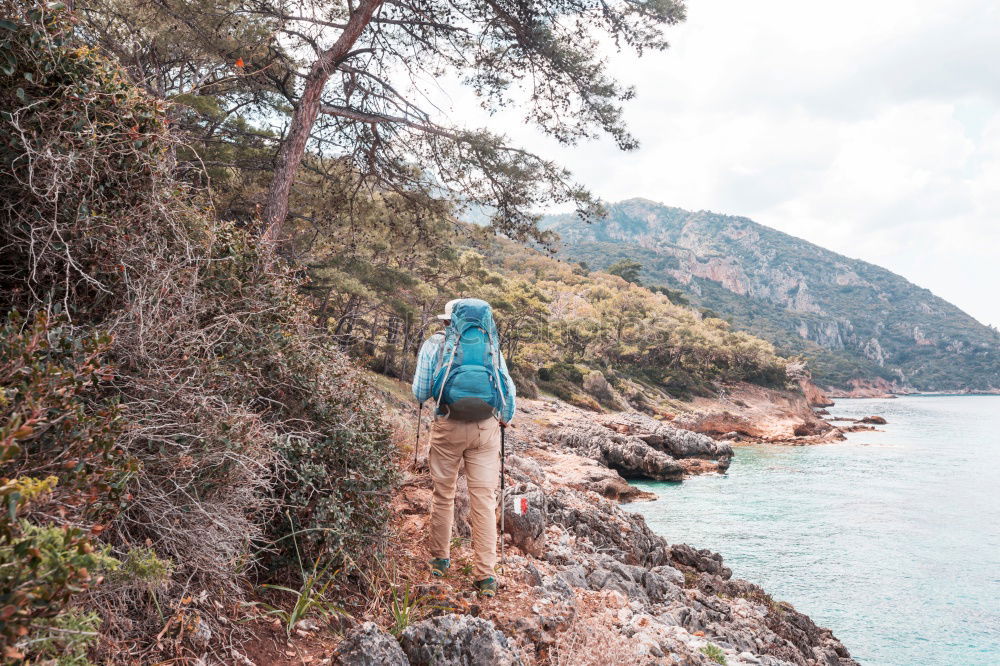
x: 337, y: 89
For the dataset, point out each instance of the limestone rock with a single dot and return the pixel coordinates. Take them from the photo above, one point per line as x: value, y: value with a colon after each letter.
x: 524, y: 468
x: 677, y: 442
x: 367, y: 645
x: 458, y: 640
x: 200, y: 634
x: 525, y: 517
x: 585, y: 473
x: 607, y: 528
x: 702, y: 560
x: 630, y: 456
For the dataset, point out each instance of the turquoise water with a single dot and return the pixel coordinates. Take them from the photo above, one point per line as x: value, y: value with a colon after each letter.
x: 891, y: 539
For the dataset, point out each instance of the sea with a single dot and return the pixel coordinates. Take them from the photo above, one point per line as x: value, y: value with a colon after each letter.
x: 891, y: 539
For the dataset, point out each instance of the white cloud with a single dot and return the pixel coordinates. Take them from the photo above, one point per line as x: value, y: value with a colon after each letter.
x: 871, y: 128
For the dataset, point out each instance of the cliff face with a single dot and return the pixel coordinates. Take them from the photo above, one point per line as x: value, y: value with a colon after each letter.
x: 852, y: 319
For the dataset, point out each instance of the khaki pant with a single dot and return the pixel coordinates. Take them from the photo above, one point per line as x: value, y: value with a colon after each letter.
x: 478, y: 444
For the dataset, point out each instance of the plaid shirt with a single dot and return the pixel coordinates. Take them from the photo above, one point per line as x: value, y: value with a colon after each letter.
x: 423, y: 378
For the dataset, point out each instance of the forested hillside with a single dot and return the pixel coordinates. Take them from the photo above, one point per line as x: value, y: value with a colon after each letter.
x: 378, y: 294
x: 850, y: 319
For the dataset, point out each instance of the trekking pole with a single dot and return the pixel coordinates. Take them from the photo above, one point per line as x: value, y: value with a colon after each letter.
x: 416, y: 447
x: 503, y: 489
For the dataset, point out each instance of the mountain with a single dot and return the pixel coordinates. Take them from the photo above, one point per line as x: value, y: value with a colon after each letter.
x: 854, y: 321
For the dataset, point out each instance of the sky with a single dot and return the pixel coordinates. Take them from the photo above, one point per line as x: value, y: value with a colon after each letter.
x: 871, y: 128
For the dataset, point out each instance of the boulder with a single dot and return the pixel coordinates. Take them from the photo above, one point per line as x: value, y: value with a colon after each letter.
x: 610, y: 574
x: 525, y: 517
x: 704, y: 560
x: 524, y: 468
x: 874, y: 420
x: 574, y: 576
x: 660, y: 587
x: 458, y: 640
x: 608, y: 529
x: 367, y: 645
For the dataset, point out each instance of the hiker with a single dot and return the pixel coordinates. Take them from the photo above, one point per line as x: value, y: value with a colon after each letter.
x: 463, y: 369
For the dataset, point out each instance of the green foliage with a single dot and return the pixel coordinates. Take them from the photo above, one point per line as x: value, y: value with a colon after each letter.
x: 632, y: 331
x: 237, y: 409
x: 405, y: 609
x: 715, y: 653
x: 143, y: 565
x: 65, y: 639
x: 52, y: 418
x: 626, y: 269
x: 310, y: 597
x: 552, y: 318
x: 41, y: 569
x: 53, y: 424
x: 373, y: 136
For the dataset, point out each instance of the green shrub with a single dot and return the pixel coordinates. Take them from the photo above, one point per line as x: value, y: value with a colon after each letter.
x: 55, y: 427
x: 143, y: 565
x: 41, y: 569
x: 65, y: 639
x: 53, y: 420
x: 715, y: 653
x: 238, y: 410
x: 561, y: 371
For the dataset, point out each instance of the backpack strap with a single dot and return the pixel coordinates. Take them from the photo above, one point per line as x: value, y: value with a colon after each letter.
x: 496, y: 372
x: 444, y: 378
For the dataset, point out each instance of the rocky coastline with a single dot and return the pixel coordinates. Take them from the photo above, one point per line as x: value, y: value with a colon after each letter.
x: 585, y: 581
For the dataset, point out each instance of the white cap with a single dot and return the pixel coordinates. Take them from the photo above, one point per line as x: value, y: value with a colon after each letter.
x: 448, y: 308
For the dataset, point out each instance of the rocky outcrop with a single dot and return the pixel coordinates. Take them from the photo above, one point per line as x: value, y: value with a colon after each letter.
x: 757, y: 414
x: 865, y: 388
x: 597, y: 525
x: 367, y: 645
x: 814, y: 394
x: 458, y: 640
x: 874, y: 420
x: 585, y: 474
x: 638, y: 446
x: 525, y: 517
x: 628, y: 455
x: 605, y: 575
x: 586, y: 581
x: 674, y: 441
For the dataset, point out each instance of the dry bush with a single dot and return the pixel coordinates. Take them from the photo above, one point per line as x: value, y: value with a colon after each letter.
x: 249, y: 433
x: 591, y: 642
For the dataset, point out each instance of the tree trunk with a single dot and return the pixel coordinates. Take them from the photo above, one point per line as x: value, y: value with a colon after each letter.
x: 303, y: 118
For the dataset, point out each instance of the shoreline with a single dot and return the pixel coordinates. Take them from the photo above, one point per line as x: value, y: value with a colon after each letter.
x: 601, y: 585
x: 920, y: 394
x: 596, y: 575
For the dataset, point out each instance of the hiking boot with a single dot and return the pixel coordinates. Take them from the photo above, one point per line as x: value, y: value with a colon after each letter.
x: 439, y: 566
x: 486, y: 587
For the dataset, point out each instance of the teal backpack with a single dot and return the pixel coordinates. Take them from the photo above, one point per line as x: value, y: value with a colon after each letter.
x: 467, y: 382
